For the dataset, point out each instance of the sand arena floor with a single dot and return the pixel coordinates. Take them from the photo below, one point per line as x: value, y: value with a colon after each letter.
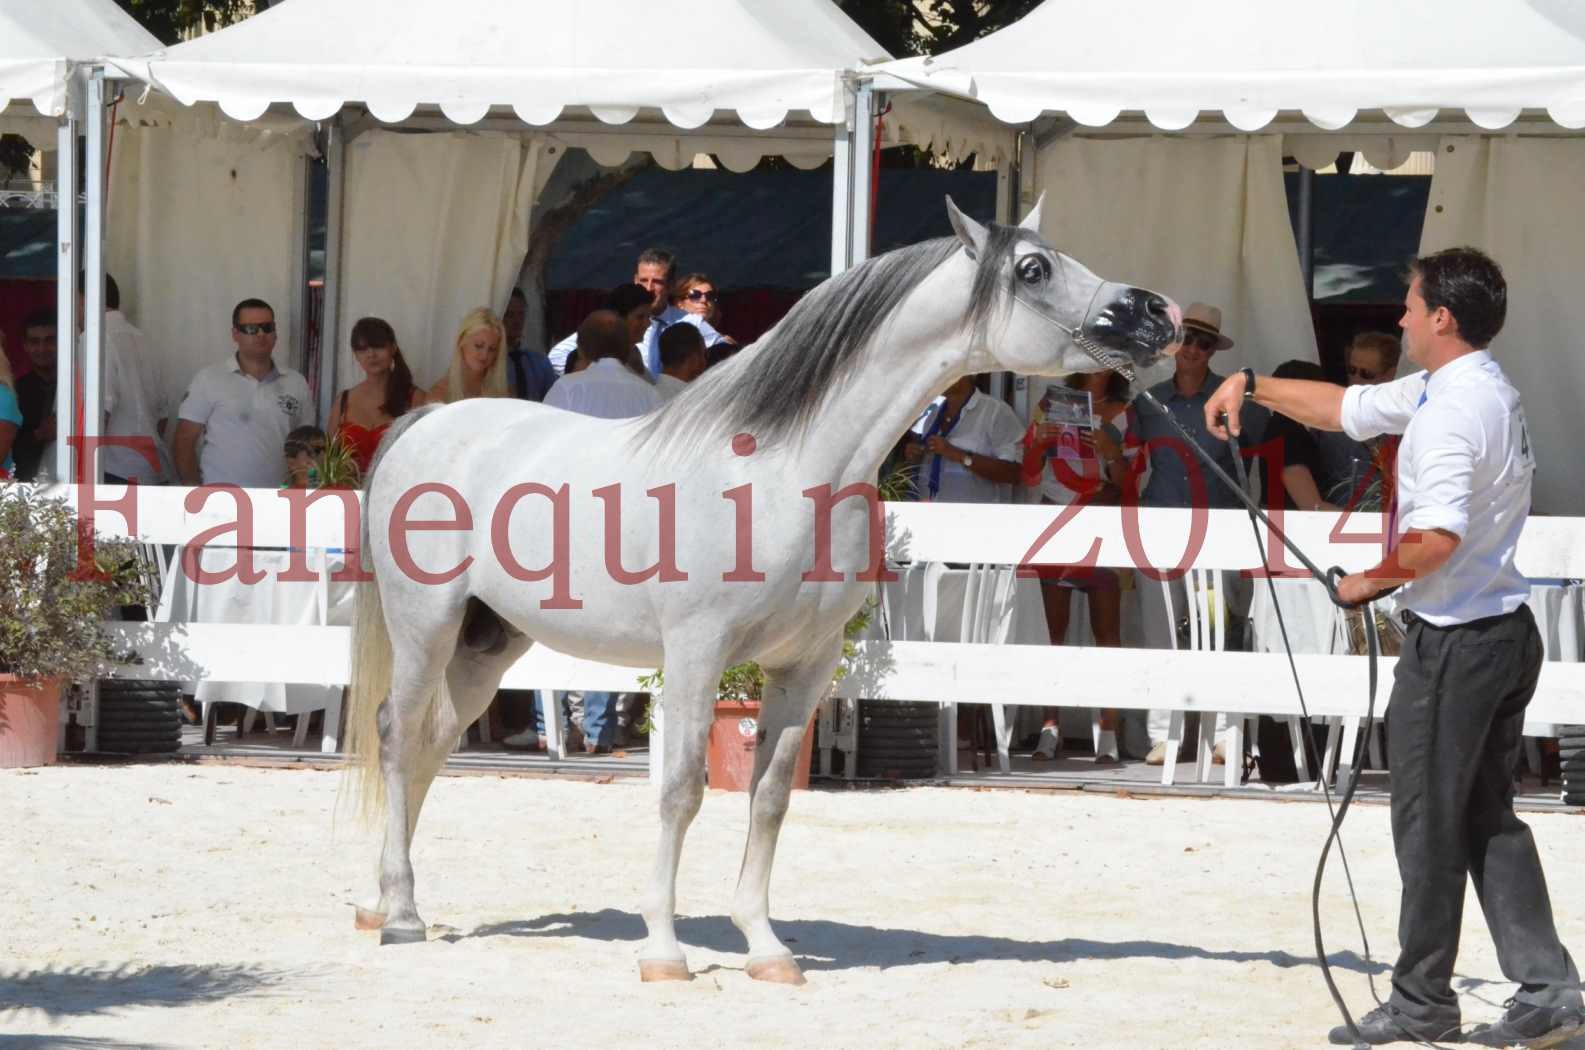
x: 176, y: 905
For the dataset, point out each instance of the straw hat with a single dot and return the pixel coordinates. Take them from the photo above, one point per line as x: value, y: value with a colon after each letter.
x: 1207, y: 319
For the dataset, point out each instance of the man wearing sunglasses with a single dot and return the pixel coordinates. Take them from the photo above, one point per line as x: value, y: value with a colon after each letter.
x: 654, y: 273
x: 236, y: 415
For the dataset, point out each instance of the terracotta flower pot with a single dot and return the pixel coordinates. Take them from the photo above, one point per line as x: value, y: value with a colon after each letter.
x: 733, y: 739
x: 30, y: 716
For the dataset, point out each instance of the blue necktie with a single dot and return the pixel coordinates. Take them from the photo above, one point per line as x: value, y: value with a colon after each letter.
x: 936, y: 427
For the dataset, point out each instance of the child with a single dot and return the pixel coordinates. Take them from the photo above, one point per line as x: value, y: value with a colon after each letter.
x: 304, y: 446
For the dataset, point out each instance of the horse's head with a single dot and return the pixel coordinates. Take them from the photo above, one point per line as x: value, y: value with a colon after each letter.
x: 1060, y: 317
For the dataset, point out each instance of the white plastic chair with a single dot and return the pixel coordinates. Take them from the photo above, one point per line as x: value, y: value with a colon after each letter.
x: 1205, y: 602
x: 988, y: 594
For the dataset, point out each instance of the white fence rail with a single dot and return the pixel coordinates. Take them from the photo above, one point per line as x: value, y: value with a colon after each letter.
x: 1550, y: 548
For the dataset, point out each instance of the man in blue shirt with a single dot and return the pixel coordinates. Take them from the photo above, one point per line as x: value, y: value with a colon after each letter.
x: 527, y: 370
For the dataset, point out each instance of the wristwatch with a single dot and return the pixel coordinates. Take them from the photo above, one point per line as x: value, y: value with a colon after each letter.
x: 968, y: 460
x: 1249, y: 383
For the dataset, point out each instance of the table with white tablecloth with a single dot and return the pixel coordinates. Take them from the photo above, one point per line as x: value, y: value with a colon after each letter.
x: 273, y: 600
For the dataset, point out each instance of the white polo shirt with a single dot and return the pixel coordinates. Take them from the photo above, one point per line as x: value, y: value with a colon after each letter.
x: 605, y: 389
x: 245, y: 422
x: 1465, y: 466
x: 985, y: 427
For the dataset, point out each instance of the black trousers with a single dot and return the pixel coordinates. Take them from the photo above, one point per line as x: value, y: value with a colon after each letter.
x: 1453, y: 741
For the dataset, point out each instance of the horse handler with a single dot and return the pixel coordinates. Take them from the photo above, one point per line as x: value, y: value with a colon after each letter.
x: 1471, y: 658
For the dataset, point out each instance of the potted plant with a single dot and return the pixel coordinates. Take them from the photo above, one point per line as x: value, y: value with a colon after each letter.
x: 51, y: 610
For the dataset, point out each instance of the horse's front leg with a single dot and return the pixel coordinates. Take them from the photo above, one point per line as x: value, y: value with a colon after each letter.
x: 690, y: 687
x: 791, y: 694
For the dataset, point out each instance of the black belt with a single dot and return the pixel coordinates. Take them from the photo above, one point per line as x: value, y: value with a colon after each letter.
x: 1409, y: 619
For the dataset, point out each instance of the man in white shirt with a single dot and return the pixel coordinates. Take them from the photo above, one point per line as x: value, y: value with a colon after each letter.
x: 134, y: 398
x: 682, y: 358
x: 241, y: 409
x: 1470, y: 661
x: 967, y: 446
x: 610, y: 390
x: 607, y: 388
x: 630, y: 302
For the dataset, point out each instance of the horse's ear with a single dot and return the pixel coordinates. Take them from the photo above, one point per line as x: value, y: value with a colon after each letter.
x: 1032, y: 220
x: 971, y: 233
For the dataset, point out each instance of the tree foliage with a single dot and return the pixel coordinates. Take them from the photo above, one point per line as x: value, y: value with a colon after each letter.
x: 929, y: 27
x: 171, y: 20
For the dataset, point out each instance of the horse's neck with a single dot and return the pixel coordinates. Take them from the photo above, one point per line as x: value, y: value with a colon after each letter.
x: 915, y: 356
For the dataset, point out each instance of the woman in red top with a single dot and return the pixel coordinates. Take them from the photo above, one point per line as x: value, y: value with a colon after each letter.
x: 364, y: 411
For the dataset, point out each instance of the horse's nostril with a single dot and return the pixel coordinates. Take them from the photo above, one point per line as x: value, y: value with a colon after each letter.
x: 1157, y: 307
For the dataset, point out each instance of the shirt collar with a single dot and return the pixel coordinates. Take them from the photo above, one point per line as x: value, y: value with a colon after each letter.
x: 1450, y: 372
x: 1169, y: 387
x: 236, y: 366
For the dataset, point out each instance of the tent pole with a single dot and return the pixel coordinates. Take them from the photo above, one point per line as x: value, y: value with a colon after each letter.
x: 330, y: 309
x: 94, y: 275
x: 66, y: 262
x: 1306, y: 232
x: 842, y: 165
x: 864, y: 106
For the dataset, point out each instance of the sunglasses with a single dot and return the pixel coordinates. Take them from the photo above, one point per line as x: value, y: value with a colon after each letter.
x: 1200, y: 340
x: 264, y: 328
x: 699, y: 295
x: 1355, y: 372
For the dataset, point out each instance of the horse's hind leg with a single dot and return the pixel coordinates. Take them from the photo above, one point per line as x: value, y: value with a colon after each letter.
x: 485, y: 649
x: 690, y: 700
x: 790, y: 697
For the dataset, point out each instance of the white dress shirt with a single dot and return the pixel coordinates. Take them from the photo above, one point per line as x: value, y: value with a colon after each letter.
x: 1465, y: 466
x: 605, y: 389
x: 985, y: 427
x: 669, y: 387
x: 133, y: 400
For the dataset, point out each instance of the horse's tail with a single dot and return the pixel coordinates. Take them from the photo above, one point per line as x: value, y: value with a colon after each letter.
x: 372, y: 658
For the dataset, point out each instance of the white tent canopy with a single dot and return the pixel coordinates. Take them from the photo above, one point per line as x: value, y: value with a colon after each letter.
x: 1251, y: 59
x: 39, y: 42
x: 761, y: 59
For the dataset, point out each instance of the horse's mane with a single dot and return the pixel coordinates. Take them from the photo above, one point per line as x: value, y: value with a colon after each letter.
x: 775, y: 387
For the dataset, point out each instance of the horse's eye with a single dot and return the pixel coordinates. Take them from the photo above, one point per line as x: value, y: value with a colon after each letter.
x: 1034, y: 269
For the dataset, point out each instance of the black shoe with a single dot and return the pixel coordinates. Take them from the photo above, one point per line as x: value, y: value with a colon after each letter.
x: 1533, y: 1027
x: 1386, y: 1024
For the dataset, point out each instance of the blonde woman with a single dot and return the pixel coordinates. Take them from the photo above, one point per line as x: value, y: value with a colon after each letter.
x: 10, y: 414
x: 478, y: 364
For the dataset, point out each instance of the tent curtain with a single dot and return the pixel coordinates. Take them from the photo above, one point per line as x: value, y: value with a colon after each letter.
x: 435, y: 225
x: 1507, y: 197
x: 1195, y: 219
x: 200, y: 217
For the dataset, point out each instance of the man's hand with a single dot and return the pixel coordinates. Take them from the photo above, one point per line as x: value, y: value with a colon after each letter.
x: 1358, y: 588
x: 944, y: 448
x: 1228, y: 399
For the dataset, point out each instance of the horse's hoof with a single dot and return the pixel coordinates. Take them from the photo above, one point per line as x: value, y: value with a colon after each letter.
x: 663, y: 970
x: 400, y: 935
x: 779, y: 969
x: 364, y: 919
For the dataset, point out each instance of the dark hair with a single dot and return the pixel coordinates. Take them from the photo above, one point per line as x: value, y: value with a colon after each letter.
x: 658, y: 257
x: 1298, y: 369
x: 1388, y: 346
x: 625, y: 298
x: 44, y: 317
x: 719, y: 352
x: 112, y: 290
x: 1116, y: 384
x: 1470, y: 284
x: 679, y: 342
x: 297, y: 441
x: 603, y: 334
x: 249, y: 304
x: 376, y: 331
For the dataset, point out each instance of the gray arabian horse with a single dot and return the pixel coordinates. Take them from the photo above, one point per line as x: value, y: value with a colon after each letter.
x: 759, y: 553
